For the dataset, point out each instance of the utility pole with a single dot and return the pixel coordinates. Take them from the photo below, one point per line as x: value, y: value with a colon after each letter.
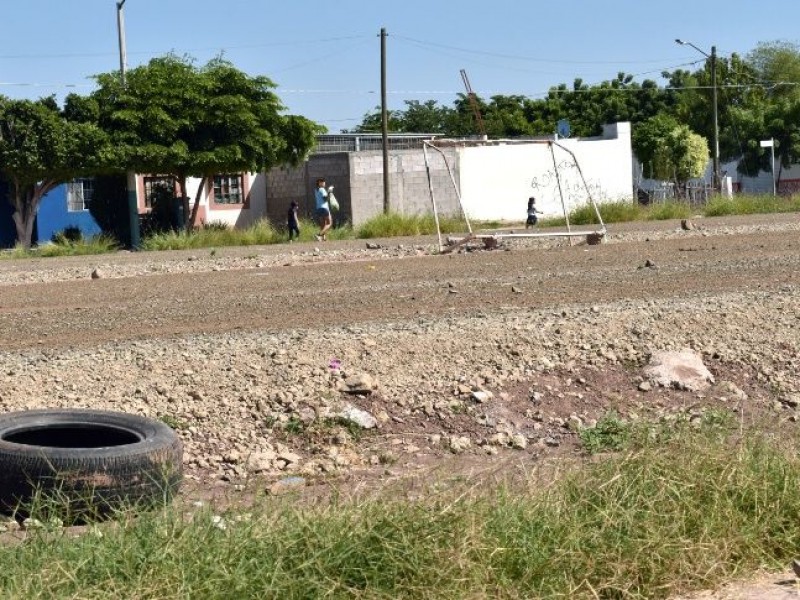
x: 716, y: 178
x: 384, y: 124
x: 123, y: 59
x: 133, y: 202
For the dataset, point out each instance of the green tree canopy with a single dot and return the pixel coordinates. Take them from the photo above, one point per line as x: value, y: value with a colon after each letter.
x: 175, y: 118
x: 41, y: 148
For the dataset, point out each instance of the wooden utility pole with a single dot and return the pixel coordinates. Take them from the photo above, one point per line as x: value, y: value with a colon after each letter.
x: 384, y: 124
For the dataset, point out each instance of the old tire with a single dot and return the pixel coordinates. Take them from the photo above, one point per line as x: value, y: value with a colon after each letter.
x: 90, y: 461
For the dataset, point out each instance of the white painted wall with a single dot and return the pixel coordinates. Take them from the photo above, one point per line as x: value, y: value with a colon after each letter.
x: 235, y: 217
x: 497, y: 180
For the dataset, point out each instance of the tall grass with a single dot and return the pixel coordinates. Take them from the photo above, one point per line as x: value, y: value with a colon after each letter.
x: 261, y: 232
x: 654, y: 521
x: 99, y: 244
x: 750, y: 205
x: 394, y: 225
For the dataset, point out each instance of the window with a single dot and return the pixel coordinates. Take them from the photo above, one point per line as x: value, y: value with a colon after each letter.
x: 159, y: 187
x: 228, y: 189
x: 79, y: 194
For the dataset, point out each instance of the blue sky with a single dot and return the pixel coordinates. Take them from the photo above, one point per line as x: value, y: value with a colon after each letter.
x: 325, y: 56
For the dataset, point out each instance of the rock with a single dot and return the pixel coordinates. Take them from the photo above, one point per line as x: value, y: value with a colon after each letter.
x: 791, y: 400
x: 516, y: 290
x: 481, y: 396
x: 519, y: 441
x: 595, y: 239
x: 360, y: 384
x: 687, y: 225
x: 9, y: 525
x: 261, y: 461
x: 373, y: 246
x: 731, y: 389
x: 286, y: 485
x: 649, y: 264
x: 357, y: 416
x: 289, y: 457
x: 30, y: 523
x: 218, y: 522
x: 98, y: 273
x: 683, y: 370
x: 645, y: 386
x: 459, y: 444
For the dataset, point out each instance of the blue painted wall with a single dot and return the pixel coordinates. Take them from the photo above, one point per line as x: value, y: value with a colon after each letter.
x: 53, y: 216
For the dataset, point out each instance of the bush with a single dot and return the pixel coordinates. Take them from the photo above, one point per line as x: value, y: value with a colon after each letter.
x: 67, y: 236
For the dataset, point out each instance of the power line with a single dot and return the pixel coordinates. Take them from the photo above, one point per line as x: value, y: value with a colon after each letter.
x: 303, y: 42
x: 527, y: 58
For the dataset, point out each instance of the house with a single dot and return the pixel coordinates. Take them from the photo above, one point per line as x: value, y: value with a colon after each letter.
x: 68, y: 205
x: 235, y: 199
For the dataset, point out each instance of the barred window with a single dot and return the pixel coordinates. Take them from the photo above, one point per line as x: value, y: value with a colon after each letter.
x: 158, y: 187
x: 79, y: 194
x: 228, y: 189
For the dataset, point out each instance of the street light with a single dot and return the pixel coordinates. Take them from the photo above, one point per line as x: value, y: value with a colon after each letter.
x: 713, y: 57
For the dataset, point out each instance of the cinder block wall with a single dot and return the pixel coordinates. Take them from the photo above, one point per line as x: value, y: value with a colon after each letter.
x: 408, y: 192
x: 357, y: 178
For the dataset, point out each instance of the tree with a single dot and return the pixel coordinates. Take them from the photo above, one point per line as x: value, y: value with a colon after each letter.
x: 670, y: 150
x: 40, y: 148
x: 173, y: 118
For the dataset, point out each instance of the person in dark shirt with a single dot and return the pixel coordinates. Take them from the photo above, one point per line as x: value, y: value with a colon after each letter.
x: 293, y: 221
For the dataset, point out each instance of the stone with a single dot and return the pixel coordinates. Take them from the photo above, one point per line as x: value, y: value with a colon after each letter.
x: 731, y: 389
x: 357, y: 416
x: 98, y: 273
x: 683, y: 370
x: 459, y: 444
x: 519, y: 441
x: 481, y: 396
x: 286, y: 485
x: 261, y: 461
x: 373, y: 246
x: 595, y: 239
x: 645, y: 386
x: 687, y: 225
x: 9, y: 525
x: 362, y: 383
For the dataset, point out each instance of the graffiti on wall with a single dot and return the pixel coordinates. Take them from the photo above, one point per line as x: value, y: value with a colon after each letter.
x: 545, y: 185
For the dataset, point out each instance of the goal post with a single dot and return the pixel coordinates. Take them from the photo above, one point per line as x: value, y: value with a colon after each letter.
x: 436, y: 145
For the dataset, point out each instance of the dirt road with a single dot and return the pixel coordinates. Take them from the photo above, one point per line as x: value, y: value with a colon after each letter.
x: 297, y: 294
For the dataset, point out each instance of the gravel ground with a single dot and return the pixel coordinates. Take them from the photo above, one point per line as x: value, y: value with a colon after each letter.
x: 342, y: 362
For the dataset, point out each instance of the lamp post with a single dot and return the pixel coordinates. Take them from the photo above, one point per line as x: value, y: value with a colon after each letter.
x: 133, y: 201
x: 716, y: 180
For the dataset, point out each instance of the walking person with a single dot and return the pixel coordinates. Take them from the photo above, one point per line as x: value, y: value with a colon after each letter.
x: 293, y: 222
x: 533, y: 219
x: 323, y: 210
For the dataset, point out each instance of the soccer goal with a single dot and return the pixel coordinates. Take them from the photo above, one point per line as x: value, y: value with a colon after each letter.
x: 490, y: 240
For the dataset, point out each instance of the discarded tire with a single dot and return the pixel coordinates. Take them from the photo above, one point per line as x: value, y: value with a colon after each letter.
x: 91, y: 461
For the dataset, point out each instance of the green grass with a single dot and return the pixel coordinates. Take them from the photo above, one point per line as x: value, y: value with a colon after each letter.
x: 656, y: 520
x: 100, y: 244
x: 750, y: 205
x: 260, y: 233
x: 394, y: 225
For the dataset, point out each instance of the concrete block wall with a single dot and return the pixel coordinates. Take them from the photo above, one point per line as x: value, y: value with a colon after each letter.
x: 284, y: 184
x: 408, y: 192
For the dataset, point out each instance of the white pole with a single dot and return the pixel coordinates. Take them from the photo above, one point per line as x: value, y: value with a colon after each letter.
x: 774, y: 183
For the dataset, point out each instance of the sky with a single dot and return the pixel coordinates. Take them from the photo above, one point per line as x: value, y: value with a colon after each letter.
x: 325, y: 56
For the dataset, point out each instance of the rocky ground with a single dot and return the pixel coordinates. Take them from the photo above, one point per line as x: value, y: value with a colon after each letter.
x: 303, y: 366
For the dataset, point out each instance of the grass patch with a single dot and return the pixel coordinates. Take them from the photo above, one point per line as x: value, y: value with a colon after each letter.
x: 652, y: 522
x: 99, y: 244
x: 394, y: 225
x: 751, y: 205
x: 260, y: 233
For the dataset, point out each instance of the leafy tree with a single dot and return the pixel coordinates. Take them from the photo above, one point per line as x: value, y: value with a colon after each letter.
x: 174, y: 118
x: 670, y: 150
x: 41, y: 148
